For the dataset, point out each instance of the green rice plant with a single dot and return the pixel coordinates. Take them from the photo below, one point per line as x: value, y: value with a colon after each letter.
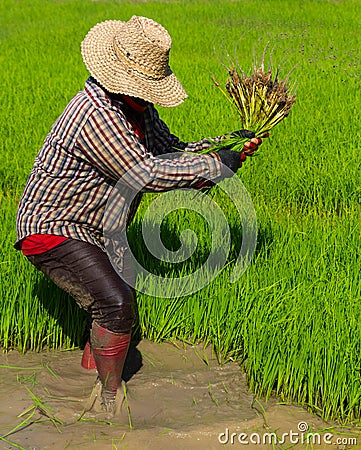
x: 293, y: 320
x: 38, y: 412
x: 34, y: 314
x: 127, y: 407
x: 279, y: 323
x: 261, y: 100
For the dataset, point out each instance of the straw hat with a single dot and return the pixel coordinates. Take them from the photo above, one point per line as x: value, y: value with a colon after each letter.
x: 132, y: 58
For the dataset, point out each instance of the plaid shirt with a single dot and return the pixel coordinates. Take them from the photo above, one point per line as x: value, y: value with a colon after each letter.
x: 89, y: 148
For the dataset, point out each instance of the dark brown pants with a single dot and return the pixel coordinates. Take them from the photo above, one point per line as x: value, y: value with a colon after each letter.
x: 85, y: 272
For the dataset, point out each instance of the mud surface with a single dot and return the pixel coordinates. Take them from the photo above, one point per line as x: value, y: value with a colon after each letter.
x: 176, y: 398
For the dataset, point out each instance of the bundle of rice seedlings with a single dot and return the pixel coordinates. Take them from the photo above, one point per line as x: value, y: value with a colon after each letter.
x: 261, y: 101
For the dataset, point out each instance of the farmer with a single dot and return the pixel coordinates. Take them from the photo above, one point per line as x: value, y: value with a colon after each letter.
x: 107, y: 129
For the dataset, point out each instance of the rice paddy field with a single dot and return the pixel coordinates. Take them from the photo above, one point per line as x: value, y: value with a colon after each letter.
x: 293, y: 320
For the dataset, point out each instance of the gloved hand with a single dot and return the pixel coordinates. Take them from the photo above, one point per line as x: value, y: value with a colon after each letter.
x: 233, y: 160
x: 251, y: 146
x: 242, y: 133
x: 230, y: 159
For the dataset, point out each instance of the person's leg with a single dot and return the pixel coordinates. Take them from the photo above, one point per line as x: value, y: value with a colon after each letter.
x: 85, y: 272
x: 87, y: 360
x: 109, y: 350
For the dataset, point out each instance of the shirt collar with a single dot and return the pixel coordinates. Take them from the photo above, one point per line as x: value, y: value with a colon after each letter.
x: 99, y: 97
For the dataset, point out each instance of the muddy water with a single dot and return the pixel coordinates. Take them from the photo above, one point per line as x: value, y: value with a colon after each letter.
x: 176, y: 398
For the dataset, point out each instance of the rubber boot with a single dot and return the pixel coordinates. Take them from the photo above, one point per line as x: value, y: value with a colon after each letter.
x: 87, y: 360
x: 109, y: 351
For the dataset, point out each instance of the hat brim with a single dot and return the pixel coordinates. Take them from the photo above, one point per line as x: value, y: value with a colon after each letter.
x: 101, y: 61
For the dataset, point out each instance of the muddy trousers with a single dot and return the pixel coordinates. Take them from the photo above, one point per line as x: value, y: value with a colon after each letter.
x: 85, y: 273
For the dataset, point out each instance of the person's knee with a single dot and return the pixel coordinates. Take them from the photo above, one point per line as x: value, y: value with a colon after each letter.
x: 119, y: 314
x: 119, y: 321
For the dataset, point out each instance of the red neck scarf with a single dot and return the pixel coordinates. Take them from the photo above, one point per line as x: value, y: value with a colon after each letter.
x: 133, y: 104
x: 135, y: 117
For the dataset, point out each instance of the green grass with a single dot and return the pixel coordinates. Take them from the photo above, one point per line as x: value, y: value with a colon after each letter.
x: 293, y: 319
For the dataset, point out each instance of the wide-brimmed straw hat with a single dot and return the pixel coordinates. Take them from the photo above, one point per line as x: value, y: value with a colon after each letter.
x: 132, y: 58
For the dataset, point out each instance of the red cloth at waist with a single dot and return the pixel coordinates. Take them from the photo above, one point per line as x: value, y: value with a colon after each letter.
x: 40, y: 243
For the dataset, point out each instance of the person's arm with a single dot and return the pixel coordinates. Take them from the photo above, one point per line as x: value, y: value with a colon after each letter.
x: 109, y: 143
x: 166, y: 142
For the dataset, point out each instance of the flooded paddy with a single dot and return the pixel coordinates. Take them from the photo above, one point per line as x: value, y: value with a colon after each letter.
x: 177, y: 397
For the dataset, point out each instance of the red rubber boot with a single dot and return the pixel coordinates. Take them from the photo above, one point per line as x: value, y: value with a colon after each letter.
x: 109, y: 351
x: 87, y: 360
